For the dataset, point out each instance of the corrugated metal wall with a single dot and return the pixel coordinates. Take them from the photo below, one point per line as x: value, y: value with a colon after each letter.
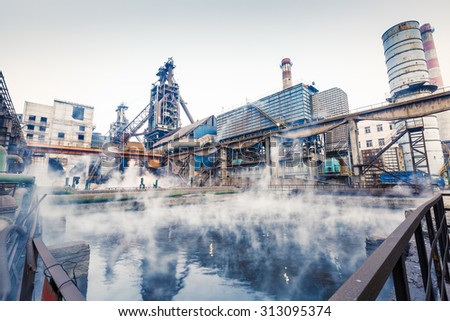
x: 292, y: 105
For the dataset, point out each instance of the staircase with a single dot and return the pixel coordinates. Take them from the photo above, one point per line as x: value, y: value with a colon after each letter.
x: 391, y: 141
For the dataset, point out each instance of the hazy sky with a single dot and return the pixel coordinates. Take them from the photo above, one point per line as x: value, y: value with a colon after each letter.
x: 102, y: 53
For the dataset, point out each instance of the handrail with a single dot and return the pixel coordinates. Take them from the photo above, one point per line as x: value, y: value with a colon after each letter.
x: 367, y: 282
x: 65, y: 287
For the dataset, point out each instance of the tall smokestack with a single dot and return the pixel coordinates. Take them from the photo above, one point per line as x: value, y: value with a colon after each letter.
x: 426, y: 31
x: 287, y: 76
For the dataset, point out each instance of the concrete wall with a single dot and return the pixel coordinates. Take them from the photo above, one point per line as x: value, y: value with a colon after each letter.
x: 67, y: 124
x: 388, y: 129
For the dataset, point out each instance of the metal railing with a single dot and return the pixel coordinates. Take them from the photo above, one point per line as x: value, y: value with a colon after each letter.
x: 20, y: 249
x: 58, y: 286
x: 428, y: 224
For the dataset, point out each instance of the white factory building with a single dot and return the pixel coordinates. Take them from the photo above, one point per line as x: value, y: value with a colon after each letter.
x: 63, y: 123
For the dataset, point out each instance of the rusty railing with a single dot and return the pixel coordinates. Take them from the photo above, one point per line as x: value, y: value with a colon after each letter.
x: 57, y: 285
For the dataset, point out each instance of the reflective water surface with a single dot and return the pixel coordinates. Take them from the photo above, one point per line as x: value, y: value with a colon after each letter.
x: 252, y: 246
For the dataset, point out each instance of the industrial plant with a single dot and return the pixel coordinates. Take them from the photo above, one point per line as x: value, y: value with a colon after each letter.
x: 285, y: 137
x: 296, y: 140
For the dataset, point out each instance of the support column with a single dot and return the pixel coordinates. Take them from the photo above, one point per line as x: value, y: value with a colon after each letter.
x: 268, y: 149
x: 356, y: 159
x: 223, y: 165
x: 191, y: 167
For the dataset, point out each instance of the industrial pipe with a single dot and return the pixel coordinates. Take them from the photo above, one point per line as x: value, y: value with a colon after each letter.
x: 16, y: 178
x: 186, y: 110
x: 3, y: 156
x: 17, y: 158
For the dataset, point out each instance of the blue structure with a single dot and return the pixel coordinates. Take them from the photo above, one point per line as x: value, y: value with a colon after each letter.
x: 331, y: 166
x: 413, y: 178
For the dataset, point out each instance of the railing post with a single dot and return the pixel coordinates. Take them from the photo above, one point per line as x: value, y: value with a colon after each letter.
x: 400, y: 280
x: 445, y: 236
x: 434, y: 252
x: 439, y: 217
x: 423, y: 259
x: 29, y: 272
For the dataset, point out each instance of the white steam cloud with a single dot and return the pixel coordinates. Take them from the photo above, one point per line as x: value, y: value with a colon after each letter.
x: 237, y: 237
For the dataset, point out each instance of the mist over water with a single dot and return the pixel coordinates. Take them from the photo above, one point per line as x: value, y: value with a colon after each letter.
x: 255, y: 245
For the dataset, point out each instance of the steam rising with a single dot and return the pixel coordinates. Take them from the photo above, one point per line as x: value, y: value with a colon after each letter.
x: 259, y: 244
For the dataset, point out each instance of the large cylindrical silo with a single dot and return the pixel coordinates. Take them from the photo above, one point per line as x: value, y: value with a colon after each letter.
x: 409, y: 78
x: 405, y: 59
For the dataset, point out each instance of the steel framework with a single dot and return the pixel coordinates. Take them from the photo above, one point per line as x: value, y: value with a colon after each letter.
x: 6, y: 102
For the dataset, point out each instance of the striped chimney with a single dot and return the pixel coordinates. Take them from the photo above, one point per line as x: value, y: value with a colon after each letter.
x: 287, y: 76
x: 429, y: 48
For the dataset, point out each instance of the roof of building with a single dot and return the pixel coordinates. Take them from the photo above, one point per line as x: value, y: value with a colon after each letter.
x: 72, y: 103
x: 181, y: 132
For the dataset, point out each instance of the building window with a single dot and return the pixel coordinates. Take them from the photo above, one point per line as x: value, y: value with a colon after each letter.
x: 359, y: 144
x: 80, y: 137
x: 78, y: 113
x: 32, y: 117
x: 41, y: 137
x: 29, y: 136
x: 44, y: 120
x: 82, y: 128
x: 367, y: 129
x: 42, y: 128
x: 391, y: 126
x: 369, y: 143
x: 381, y: 142
x: 30, y: 127
x: 60, y: 135
x: 379, y: 127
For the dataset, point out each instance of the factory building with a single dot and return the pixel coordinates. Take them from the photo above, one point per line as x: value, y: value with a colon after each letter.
x: 373, y: 136
x: 64, y: 126
x: 63, y: 123
x: 191, y: 152
x: 291, y: 106
x: 251, y: 146
x: 326, y: 104
x: 329, y: 103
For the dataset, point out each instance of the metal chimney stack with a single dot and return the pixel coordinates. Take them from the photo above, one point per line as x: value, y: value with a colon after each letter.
x: 426, y: 31
x: 287, y: 76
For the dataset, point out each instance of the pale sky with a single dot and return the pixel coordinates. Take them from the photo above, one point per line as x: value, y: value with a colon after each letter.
x: 103, y: 53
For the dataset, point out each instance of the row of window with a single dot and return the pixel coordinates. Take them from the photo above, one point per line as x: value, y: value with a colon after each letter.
x: 43, y: 128
x: 42, y: 137
x: 369, y: 143
x: 61, y: 135
x: 31, y: 136
x: 379, y: 128
x: 33, y: 118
